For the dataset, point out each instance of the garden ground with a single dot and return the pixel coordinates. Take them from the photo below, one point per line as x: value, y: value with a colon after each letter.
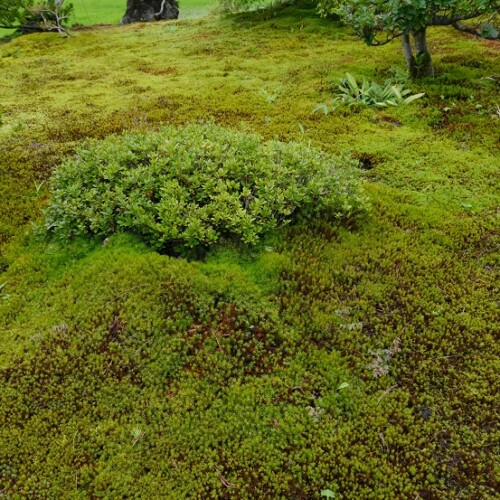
x: 359, y: 359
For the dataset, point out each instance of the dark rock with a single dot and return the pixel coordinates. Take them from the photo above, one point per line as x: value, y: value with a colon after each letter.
x: 150, y: 10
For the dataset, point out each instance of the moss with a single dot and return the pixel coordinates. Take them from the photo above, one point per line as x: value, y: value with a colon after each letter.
x: 128, y: 373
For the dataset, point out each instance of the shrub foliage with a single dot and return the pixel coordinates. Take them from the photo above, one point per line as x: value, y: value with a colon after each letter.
x: 194, y: 185
x: 29, y: 15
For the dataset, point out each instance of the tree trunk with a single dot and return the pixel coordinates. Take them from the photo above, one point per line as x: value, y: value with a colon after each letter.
x: 418, y: 61
x: 423, y: 61
x: 408, y: 52
x: 150, y: 10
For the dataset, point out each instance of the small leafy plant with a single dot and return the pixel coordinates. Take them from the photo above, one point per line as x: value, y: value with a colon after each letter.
x: 350, y: 93
x: 191, y: 186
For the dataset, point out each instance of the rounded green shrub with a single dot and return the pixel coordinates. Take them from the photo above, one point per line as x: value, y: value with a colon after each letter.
x: 194, y: 185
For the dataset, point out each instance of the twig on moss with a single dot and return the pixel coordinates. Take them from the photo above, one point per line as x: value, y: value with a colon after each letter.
x: 386, y: 392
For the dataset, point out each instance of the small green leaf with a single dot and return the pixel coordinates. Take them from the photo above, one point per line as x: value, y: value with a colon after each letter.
x: 352, y: 82
x: 321, y: 107
x: 413, y: 98
x: 396, y: 91
x: 343, y: 385
x: 328, y: 494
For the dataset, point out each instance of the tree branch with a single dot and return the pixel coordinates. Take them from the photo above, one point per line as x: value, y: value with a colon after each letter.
x: 450, y: 20
x: 390, y: 37
x: 473, y: 31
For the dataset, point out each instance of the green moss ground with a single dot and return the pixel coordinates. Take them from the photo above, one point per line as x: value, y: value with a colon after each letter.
x: 129, y: 373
